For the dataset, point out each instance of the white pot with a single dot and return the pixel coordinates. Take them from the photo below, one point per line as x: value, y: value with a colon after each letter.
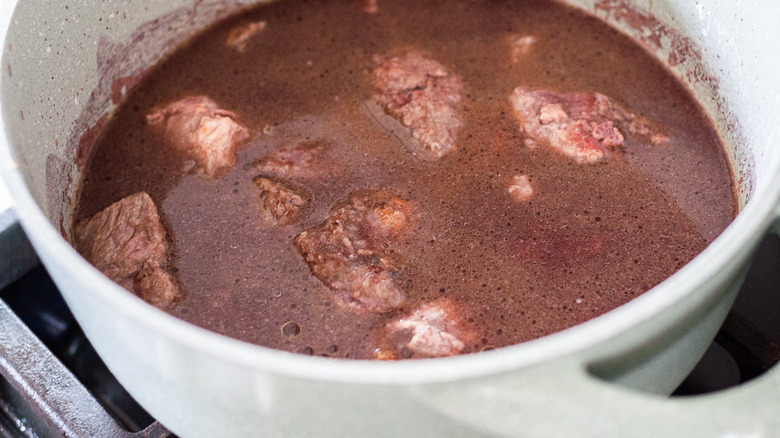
x: 59, y: 64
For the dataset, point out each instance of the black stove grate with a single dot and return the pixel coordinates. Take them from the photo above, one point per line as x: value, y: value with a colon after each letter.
x: 38, y: 304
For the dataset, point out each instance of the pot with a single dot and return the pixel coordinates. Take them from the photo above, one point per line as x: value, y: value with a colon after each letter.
x: 64, y: 68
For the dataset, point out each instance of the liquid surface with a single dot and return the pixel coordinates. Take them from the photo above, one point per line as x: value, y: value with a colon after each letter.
x: 590, y: 239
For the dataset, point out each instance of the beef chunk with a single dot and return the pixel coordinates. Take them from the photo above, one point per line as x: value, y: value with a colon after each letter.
x: 521, y: 189
x: 347, y: 252
x: 520, y: 46
x: 423, y: 95
x: 294, y: 160
x: 127, y: 243
x: 155, y: 285
x: 367, y: 6
x: 370, y: 6
x: 579, y: 125
x: 280, y: 203
x: 239, y: 36
x: 119, y: 239
x: 433, y: 330
x: 202, y: 131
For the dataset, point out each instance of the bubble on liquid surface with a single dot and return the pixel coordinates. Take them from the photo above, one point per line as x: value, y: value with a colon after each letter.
x: 306, y: 350
x: 291, y: 328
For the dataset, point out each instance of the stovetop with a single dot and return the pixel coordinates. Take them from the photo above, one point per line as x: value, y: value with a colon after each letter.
x: 53, y: 384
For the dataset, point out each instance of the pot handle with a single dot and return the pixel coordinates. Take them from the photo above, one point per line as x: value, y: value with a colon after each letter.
x: 530, y: 404
x: 594, y: 408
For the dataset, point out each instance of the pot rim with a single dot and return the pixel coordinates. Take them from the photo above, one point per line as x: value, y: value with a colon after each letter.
x: 56, y: 251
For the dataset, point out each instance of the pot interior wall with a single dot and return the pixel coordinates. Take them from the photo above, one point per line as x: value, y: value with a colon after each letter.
x: 67, y: 66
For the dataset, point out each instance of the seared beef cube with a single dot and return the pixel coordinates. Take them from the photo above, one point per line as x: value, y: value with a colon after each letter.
x: 367, y: 6
x: 579, y: 125
x: 294, y: 160
x: 280, y: 203
x: 423, y: 95
x: 521, y: 189
x: 155, y: 285
x: 432, y: 330
x: 239, y: 36
x: 119, y: 239
x: 371, y: 7
x: 520, y: 46
x: 360, y: 283
x: 126, y: 242
x: 202, y: 131
x: 347, y: 252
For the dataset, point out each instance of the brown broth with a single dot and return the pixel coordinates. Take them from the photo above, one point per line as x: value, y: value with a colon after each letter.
x: 592, y: 238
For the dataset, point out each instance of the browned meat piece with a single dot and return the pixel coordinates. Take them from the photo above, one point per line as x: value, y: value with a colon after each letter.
x: 371, y: 6
x: 433, y: 330
x: 119, y: 239
x: 239, y: 36
x: 155, y: 285
x: 423, y: 95
x: 367, y: 6
x: 579, y: 125
x: 347, y: 252
x: 206, y: 134
x: 280, y: 203
x: 126, y: 242
x: 293, y: 161
x: 520, y: 46
x: 521, y: 189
